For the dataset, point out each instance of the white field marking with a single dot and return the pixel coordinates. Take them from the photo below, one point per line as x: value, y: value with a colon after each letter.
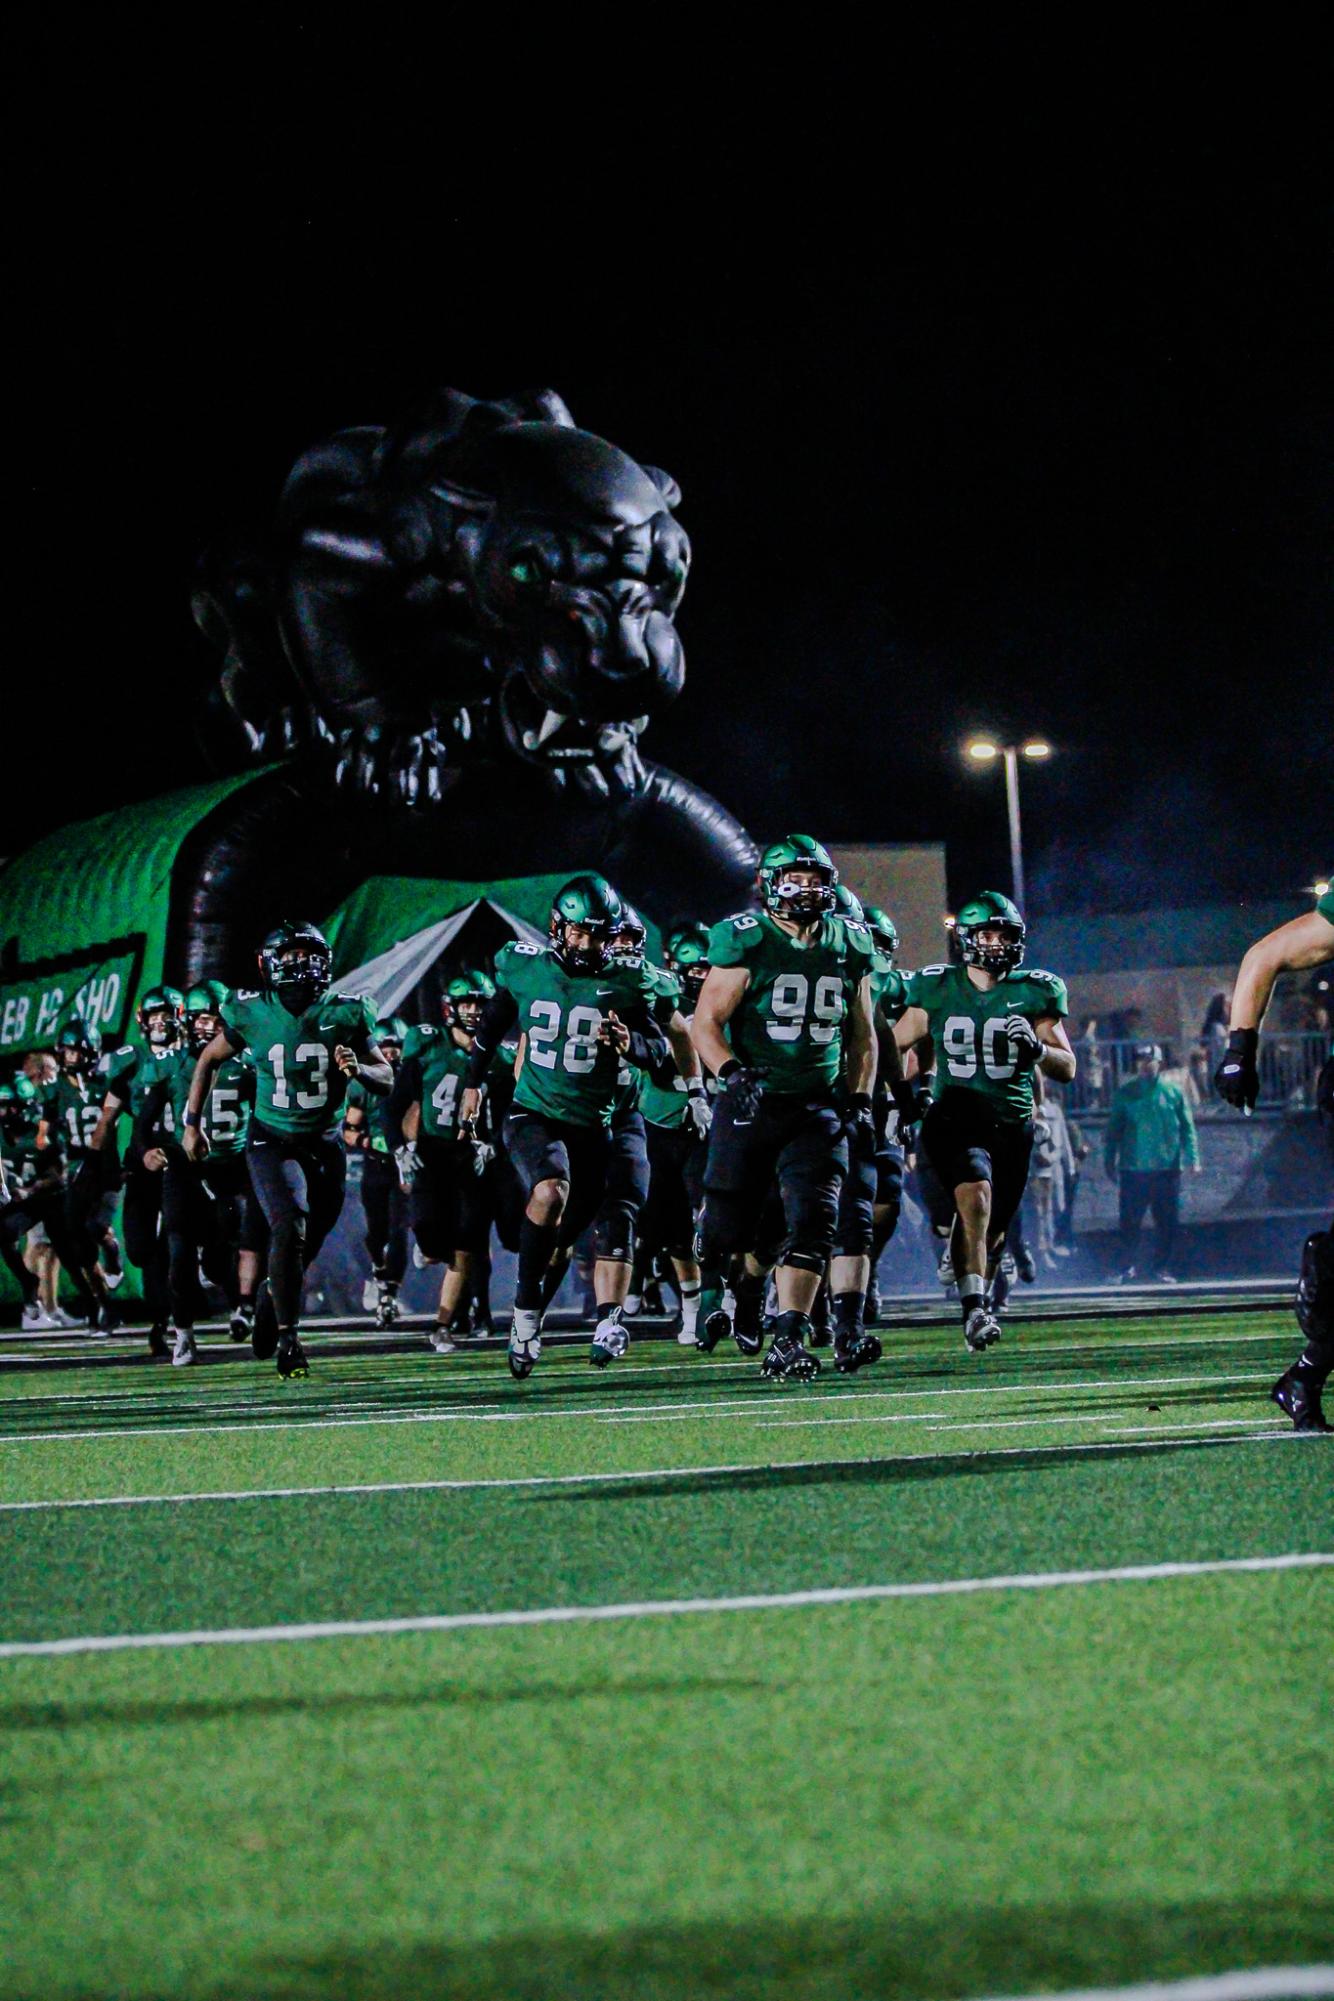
x: 596, y: 1479
x: 1127, y: 1389
x: 629, y: 1413
x: 654, y: 1608
x: 1261, y: 1983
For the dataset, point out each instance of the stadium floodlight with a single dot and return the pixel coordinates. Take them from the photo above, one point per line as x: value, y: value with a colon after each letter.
x: 1320, y: 888
x: 982, y: 750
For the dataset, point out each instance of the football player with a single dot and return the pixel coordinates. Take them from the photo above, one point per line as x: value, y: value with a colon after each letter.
x: 985, y: 1025
x: 372, y: 1128
x: 677, y: 1116
x: 308, y: 1045
x: 128, y: 1074
x: 579, y: 1014
x: 71, y: 1115
x: 446, y: 1170
x: 31, y: 1189
x: 784, y: 1022
x: 889, y: 989
x: 1297, y: 946
x: 209, y: 1213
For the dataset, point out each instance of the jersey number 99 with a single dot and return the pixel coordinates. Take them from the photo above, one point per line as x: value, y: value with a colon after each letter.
x: 790, y: 1002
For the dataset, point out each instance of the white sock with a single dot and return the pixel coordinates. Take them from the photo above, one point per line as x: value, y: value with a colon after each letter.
x: 689, y: 1308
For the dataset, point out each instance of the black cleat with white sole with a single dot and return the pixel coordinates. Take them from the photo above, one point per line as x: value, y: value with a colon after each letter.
x: 856, y: 1351
x: 1295, y: 1393
x: 981, y: 1329
x: 789, y: 1360
x: 291, y: 1356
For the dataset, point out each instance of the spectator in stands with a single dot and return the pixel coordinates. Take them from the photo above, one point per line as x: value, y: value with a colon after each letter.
x: 1150, y: 1137
x: 1213, y: 1029
x: 1053, y: 1242
x: 1091, y: 1075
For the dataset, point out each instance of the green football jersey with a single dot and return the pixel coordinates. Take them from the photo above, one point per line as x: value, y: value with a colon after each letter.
x: 130, y: 1072
x: 889, y: 989
x: 24, y: 1163
x: 567, y: 1073
x: 966, y: 1025
x: 71, y: 1107
x: 225, y: 1120
x: 788, y: 1024
x: 443, y: 1066
x: 299, y: 1089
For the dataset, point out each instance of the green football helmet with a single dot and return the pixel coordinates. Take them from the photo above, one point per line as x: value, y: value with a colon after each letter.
x: 690, y: 963
x: 9, y: 1106
x: 390, y: 1035
x: 587, y: 903
x: 466, y: 997
x: 169, y: 1004
x: 204, y: 1003
x: 295, y: 959
x: 848, y: 905
x: 988, y: 911
x: 883, y: 929
x: 629, y: 938
x: 680, y: 934
x: 76, y: 1047
x: 797, y: 901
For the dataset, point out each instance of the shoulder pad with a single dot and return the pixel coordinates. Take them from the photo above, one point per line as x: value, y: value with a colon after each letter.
x: 245, y: 994
x: 1041, y: 979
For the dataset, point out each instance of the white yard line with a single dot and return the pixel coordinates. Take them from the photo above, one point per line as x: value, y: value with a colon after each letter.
x: 1262, y: 1983
x: 652, y: 1608
x: 578, y: 1479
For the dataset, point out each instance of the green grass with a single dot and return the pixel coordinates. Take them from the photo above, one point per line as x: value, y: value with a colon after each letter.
x: 946, y: 1796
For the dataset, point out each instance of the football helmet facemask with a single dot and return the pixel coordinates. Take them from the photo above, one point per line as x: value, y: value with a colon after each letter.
x: 203, y: 1012
x: 781, y: 895
x: 295, y: 962
x: 161, y: 1014
x: 466, y: 997
x: 991, y: 912
x: 589, y: 905
x: 882, y: 928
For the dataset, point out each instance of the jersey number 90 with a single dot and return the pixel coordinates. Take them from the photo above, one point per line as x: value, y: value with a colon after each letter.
x: 959, y: 1039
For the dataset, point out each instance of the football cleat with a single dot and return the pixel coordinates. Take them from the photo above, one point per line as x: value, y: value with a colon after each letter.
x: 1301, y: 1400
x: 59, y: 1318
x: 789, y: 1360
x: 159, y: 1347
x: 717, y: 1326
x: 291, y: 1356
x: 525, y: 1342
x: 386, y: 1305
x: 370, y: 1295
x: 856, y: 1351
x: 112, y: 1263
x: 242, y: 1322
x: 185, y: 1352
x: 442, y: 1340
x: 945, y: 1269
x: 981, y: 1329
x: 35, y: 1317
x: 609, y: 1343
x: 264, y: 1329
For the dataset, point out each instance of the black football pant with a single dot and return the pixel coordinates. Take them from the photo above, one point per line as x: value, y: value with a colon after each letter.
x: 49, y: 1207
x: 1157, y: 1190
x: 676, y: 1156
x: 545, y: 1149
x: 209, y: 1212
x: 298, y: 1182
x: 797, y: 1141
x: 145, y: 1240
x: 451, y: 1203
x: 385, y: 1207
x: 965, y: 1140
x: 625, y: 1190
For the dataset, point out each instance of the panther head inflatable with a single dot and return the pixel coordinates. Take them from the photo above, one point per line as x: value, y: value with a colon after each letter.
x: 482, y: 579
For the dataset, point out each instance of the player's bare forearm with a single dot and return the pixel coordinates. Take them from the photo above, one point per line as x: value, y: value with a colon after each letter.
x: 859, y: 1045
x: 683, y: 1049
x: 210, y: 1056
x: 718, y: 1001
x: 1295, y: 947
x: 1057, y: 1060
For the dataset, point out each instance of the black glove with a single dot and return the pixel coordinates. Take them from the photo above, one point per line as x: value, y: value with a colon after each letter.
x: 743, y: 1090
x: 911, y: 1101
x: 1024, y: 1040
x: 859, y: 1121
x: 1236, y: 1079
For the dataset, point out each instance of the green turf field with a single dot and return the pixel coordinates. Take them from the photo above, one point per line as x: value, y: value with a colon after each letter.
x: 965, y: 1788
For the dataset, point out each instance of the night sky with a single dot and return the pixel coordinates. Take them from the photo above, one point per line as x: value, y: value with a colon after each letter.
x: 998, y: 390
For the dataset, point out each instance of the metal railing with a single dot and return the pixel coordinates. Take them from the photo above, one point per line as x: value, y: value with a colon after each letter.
x: 1289, y: 1064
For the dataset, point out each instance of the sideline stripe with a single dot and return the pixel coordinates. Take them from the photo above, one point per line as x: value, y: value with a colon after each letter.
x: 1263, y: 1983
x: 629, y: 1474
x: 699, y: 1406
x: 651, y: 1608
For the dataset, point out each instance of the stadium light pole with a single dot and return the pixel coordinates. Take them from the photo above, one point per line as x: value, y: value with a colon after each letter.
x: 984, y: 750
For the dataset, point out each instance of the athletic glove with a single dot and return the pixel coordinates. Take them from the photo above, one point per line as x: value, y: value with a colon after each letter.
x: 859, y: 1121
x: 1236, y: 1079
x: 699, y: 1112
x: 1024, y: 1040
x: 482, y: 1156
x: 743, y: 1088
x: 911, y: 1101
x: 408, y: 1164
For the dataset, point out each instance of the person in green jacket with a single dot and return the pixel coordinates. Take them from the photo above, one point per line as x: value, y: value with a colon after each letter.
x: 1150, y: 1137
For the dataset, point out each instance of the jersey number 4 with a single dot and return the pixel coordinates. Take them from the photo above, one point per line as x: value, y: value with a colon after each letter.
x: 960, y: 1038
